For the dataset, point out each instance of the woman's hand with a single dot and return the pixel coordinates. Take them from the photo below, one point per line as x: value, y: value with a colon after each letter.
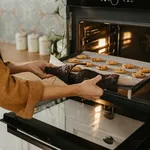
x: 37, y: 67
x: 89, y: 90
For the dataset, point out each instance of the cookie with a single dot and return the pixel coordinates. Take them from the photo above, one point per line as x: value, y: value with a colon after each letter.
x: 120, y: 70
x: 128, y: 66
x: 82, y: 56
x: 111, y: 62
x: 73, y: 60
x: 144, y: 70
x: 89, y: 64
x: 76, y: 69
x: 96, y: 59
x: 102, y: 67
x: 138, y: 74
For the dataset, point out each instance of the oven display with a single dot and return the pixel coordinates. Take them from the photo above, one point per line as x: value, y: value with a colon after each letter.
x: 129, y: 4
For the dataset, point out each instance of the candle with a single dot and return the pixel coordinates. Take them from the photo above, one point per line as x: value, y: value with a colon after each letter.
x: 21, y: 41
x: 44, y: 45
x: 33, y: 43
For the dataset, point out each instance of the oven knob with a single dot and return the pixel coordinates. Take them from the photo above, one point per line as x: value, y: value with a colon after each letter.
x: 114, y: 2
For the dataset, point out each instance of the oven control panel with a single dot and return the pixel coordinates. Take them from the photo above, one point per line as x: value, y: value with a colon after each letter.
x: 114, y: 2
x: 118, y: 2
x: 131, y: 4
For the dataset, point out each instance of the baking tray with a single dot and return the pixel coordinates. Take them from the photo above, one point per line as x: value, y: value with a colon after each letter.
x: 128, y: 99
x: 139, y: 83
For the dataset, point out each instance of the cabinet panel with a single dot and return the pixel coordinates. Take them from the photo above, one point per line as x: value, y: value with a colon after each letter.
x: 8, y: 141
x: 2, y: 111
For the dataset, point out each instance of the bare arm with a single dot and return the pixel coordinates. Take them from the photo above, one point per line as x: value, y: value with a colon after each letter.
x: 87, y: 89
x: 17, y: 67
x: 21, y: 96
x: 36, y: 67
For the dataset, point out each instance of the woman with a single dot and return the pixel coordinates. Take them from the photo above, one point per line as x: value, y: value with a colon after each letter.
x: 21, y: 96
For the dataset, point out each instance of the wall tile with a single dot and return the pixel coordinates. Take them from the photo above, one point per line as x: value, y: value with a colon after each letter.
x: 40, y: 16
x: 31, y: 15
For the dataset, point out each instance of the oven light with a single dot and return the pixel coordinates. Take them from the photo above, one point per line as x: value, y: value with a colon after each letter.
x: 126, y: 42
x: 102, y: 42
x: 127, y: 35
x: 126, y: 38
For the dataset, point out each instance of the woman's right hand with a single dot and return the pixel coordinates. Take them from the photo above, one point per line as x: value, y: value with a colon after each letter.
x: 89, y: 90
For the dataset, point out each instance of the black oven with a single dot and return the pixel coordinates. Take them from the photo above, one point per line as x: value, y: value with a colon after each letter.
x: 114, y: 39
x: 99, y: 26
x: 120, y: 121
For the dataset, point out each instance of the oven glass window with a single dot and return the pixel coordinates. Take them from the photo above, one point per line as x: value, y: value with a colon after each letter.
x: 91, y: 122
x: 111, y: 39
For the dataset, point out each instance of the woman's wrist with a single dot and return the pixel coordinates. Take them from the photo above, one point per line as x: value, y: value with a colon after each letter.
x: 24, y: 67
x: 18, y: 68
x: 54, y: 92
x: 75, y: 89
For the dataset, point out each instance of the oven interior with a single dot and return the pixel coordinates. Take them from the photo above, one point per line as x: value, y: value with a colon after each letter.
x: 127, y: 41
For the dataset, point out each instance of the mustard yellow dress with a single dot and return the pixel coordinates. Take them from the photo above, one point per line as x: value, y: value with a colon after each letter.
x: 17, y: 95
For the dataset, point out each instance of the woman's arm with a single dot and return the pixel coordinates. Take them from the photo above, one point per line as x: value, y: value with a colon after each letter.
x: 87, y: 89
x: 17, y: 67
x: 36, y: 67
x: 21, y: 96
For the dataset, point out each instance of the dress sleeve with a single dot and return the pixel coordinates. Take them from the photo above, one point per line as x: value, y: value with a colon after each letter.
x: 19, y: 96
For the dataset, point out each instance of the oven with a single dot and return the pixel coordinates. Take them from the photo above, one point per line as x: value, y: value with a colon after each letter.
x: 118, y: 30
x: 112, y: 30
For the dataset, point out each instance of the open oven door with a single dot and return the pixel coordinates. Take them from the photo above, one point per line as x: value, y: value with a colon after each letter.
x: 71, y: 124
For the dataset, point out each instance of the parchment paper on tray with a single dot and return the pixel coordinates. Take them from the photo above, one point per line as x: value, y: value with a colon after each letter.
x: 111, y: 68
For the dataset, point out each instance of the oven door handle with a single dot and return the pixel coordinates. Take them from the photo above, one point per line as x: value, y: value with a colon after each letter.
x: 124, y: 101
x: 30, y: 139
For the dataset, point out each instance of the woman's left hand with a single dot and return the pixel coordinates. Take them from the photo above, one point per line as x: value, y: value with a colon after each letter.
x: 37, y: 67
